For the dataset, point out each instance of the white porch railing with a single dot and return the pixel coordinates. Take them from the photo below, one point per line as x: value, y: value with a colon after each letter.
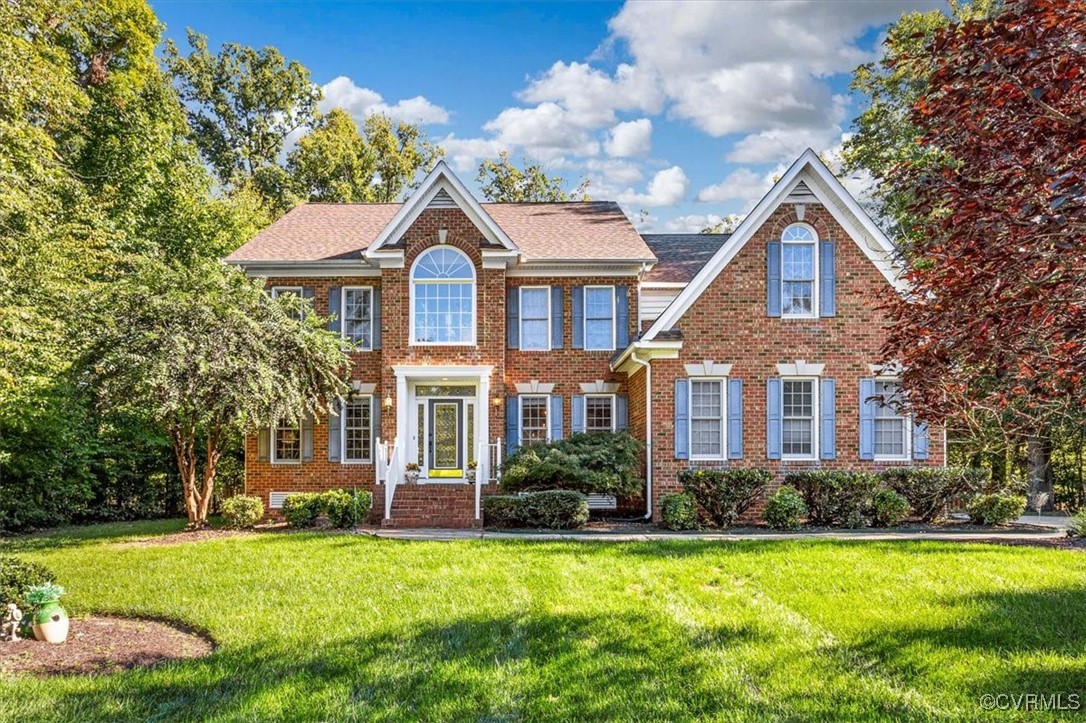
x: 389, y: 471
x: 493, y: 457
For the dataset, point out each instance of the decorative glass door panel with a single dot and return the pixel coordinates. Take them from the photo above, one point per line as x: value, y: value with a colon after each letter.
x: 446, y: 437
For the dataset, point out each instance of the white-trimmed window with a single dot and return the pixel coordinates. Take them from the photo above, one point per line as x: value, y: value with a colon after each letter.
x: 286, y: 443
x: 296, y: 291
x: 891, y: 426
x: 707, y: 420
x: 534, y: 419
x: 535, y: 318
x: 599, y: 413
x: 799, y: 412
x: 799, y: 271
x: 357, y: 309
x: 357, y: 430
x: 599, y: 318
x: 443, y: 298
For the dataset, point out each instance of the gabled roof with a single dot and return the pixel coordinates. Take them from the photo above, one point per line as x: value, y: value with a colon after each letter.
x: 318, y: 232
x: 571, y: 231
x: 681, y: 255
x: 808, y: 169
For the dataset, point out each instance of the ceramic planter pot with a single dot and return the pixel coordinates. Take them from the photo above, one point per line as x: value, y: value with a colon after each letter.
x: 411, y: 476
x: 51, y: 623
x: 469, y: 476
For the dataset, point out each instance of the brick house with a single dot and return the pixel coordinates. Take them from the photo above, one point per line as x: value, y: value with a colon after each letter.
x: 475, y: 328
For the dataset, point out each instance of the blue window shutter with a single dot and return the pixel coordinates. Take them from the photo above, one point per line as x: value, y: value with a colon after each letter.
x: 334, y: 323
x: 622, y: 413
x: 512, y: 424
x: 773, y: 279
x: 512, y: 317
x: 577, y: 404
x: 556, y: 417
x: 827, y: 291
x: 307, y: 439
x: 375, y: 337
x: 557, y: 317
x: 622, y: 316
x: 867, y: 419
x: 920, y: 441
x: 682, y: 419
x: 773, y: 418
x: 335, y: 418
x: 828, y: 416
x: 375, y: 420
x: 735, y: 419
x: 263, y: 444
x: 578, y: 317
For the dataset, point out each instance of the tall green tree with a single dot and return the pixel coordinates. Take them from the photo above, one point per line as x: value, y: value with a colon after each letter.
x: 502, y: 181
x: 210, y: 356
x: 402, y: 151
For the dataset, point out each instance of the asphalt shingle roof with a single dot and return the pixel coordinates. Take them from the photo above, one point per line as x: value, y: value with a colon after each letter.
x: 681, y: 255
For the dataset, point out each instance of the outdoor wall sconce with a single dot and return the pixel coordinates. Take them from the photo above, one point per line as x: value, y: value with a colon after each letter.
x: 496, y: 401
x: 388, y: 401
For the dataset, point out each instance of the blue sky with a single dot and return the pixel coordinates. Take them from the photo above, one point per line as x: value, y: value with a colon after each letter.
x: 685, y: 111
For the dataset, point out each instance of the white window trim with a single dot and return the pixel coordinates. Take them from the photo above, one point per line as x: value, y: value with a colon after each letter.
x: 368, y: 399
x: 611, y: 397
x: 550, y: 321
x: 816, y: 393
x: 814, y: 285
x: 474, y: 299
x: 343, y: 316
x: 271, y: 446
x: 277, y: 290
x: 546, y: 412
x: 614, y: 320
x: 908, y: 420
x: 723, y: 419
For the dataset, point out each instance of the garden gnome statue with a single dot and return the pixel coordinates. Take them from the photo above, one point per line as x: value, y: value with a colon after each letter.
x: 10, y: 629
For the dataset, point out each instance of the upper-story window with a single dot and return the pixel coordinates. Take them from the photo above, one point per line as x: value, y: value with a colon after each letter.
x: 599, y: 318
x: 357, y: 308
x: 443, y: 297
x: 535, y: 318
x: 798, y: 270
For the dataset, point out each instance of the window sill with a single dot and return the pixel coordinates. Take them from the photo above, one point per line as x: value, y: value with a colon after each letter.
x: 356, y: 462
x: 286, y: 462
x: 443, y: 343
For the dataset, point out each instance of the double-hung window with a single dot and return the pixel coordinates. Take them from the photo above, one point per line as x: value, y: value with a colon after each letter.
x: 357, y: 309
x: 798, y: 271
x: 707, y: 418
x: 599, y: 318
x: 599, y: 413
x: 533, y: 419
x: 798, y: 415
x: 357, y: 426
x: 891, y: 426
x: 535, y: 318
x: 296, y: 292
x: 286, y: 443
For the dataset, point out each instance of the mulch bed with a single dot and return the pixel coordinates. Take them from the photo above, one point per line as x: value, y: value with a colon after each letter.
x: 101, y: 644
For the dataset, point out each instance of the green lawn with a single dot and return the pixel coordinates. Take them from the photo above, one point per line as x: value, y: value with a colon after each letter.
x: 335, y: 627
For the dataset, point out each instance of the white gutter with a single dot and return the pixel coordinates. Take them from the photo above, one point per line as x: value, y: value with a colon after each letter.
x: 648, y: 431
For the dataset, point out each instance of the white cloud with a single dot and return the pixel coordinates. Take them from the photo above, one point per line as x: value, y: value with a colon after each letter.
x: 667, y: 188
x: 464, y: 154
x: 591, y: 96
x: 362, y: 102
x: 633, y: 138
x: 545, y: 131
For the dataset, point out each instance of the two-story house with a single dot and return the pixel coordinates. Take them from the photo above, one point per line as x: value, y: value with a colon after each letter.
x: 476, y: 328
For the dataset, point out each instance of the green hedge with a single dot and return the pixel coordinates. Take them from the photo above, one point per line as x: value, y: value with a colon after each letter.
x: 996, y: 509
x: 836, y: 499
x: 724, y: 494
x: 242, y: 511
x: 16, y: 578
x: 889, y: 508
x: 679, y: 511
x: 784, y: 509
x: 931, y: 490
x: 547, y: 509
x: 302, y: 509
x: 347, y: 509
x: 589, y: 463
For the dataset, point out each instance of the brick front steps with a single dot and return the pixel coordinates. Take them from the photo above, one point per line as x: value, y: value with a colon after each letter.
x: 436, y: 505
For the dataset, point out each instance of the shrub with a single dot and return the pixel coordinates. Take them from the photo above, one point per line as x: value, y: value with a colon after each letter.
x: 302, y: 509
x: 17, y: 577
x: 890, y: 508
x: 931, y: 490
x: 724, y: 494
x: 347, y: 509
x: 1076, y: 526
x: 996, y: 509
x: 784, y: 509
x: 680, y: 511
x: 242, y: 511
x: 589, y: 463
x: 548, y: 509
x: 836, y: 499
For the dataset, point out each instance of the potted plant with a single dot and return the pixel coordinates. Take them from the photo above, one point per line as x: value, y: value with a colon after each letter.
x: 411, y: 473
x: 49, y: 619
x: 473, y: 469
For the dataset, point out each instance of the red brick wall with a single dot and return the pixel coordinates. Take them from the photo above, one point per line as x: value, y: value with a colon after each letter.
x: 728, y: 324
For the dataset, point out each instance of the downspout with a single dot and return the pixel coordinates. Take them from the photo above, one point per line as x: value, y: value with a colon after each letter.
x: 648, y: 431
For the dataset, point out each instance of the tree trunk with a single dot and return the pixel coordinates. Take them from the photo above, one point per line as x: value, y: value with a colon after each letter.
x: 1039, y: 465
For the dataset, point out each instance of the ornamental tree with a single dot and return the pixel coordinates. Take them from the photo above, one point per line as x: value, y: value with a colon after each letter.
x: 207, y: 353
x: 501, y: 181
x: 994, y: 327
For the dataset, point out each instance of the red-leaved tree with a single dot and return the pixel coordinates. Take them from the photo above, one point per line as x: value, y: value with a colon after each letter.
x: 994, y: 329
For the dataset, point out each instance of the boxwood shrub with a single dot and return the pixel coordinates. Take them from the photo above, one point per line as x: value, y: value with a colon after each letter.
x: 16, y: 577
x: 679, y: 511
x: 836, y: 499
x: 996, y: 509
x: 784, y: 509
x: 589, y: 463
x: 547, y: 509
x: 889, y: 508
x: 931, y: 490
x: 724, y: 494
x: 302, y: 509
x: 347, y: 509
x: 242, y: 511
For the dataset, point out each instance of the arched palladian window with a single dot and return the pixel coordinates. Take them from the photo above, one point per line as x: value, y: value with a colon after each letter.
x: 443, y: 297
x: 799, y: 258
